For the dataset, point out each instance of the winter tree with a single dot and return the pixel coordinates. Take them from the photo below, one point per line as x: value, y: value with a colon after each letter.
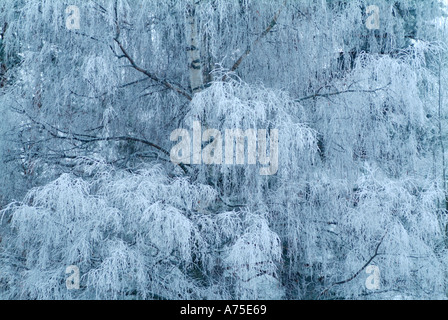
x: 307, y: 138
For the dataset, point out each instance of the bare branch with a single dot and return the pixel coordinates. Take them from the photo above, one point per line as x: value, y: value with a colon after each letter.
x: 375, y: 254
x: 260, y: 37
x: 326, y: 95
x: 134, y: 65
x: 85, y: 139
x: 150, y: 75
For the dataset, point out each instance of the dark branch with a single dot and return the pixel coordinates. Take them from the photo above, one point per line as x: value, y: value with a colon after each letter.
x: 326, y: 95
x: 375, y: 254
x: 121, y: 138
x: 134, y: 65
x: 85, y: 139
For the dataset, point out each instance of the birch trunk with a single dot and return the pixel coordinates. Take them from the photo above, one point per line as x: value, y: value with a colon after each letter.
x: 194, y: 55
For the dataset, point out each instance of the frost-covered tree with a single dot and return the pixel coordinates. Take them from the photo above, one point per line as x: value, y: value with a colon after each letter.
x: 91, y: 112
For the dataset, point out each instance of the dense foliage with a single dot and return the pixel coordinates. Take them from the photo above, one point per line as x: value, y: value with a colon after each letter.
x: 87, y: 179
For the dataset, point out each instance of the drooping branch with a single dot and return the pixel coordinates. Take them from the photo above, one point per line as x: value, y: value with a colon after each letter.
x: 249, y: 49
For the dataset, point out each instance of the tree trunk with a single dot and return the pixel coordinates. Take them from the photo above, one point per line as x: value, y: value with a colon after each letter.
x: 194, y: 55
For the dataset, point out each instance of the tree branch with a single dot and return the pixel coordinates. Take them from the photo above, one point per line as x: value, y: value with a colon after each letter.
x: 260, y: 37
x: 359, y: 271
x: 134, y: 65
x: 84, y: 138
x: 150, y: 75
x: 120, y: 138
x: 326, y: 95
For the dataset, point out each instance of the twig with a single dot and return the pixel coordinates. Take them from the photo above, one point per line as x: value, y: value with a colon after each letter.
x: 60, y: 134
x: 261, y: 36
x: 358, y: 272
x: 326, y: 95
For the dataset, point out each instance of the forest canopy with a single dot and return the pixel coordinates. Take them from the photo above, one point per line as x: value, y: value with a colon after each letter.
x: 310, y: 159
